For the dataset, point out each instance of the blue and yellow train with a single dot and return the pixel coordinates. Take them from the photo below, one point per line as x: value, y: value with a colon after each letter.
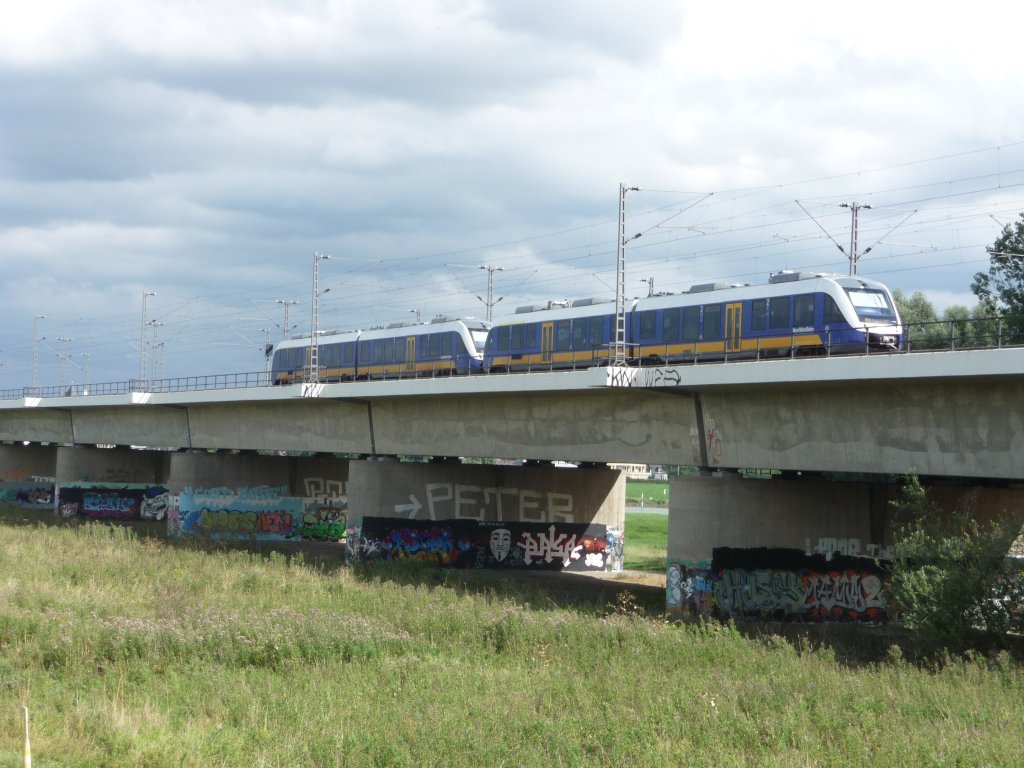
x: 445, y: 346
x: 794, y: 313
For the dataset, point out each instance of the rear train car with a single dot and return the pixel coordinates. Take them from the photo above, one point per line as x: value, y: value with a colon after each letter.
x: 443, y: 347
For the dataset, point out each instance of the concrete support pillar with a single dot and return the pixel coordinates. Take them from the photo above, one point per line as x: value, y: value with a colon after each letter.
x: 24, y: 462
x: 315, y: 477
x: 488, y: 516
x: 729, y: 511
x: 110, y: 466
x: 486, y: 492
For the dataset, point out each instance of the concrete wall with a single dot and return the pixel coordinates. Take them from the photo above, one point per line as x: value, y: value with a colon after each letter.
x: 315, y: 477
x: 23, y: 462
x: 486, y: 492
x: 111, y: 465
x: 729, y: 511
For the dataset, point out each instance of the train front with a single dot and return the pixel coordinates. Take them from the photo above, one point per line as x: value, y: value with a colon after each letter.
x: 875, y: 311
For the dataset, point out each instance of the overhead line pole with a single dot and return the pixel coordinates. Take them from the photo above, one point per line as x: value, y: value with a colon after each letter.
x: 619, y: 348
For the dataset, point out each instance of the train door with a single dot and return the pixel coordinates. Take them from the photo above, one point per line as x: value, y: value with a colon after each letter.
x: 547, y: 341
x: 733, y: 326
x: 410, y: 354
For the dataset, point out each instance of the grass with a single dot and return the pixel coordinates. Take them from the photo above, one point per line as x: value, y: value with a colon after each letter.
x: 646, y: 542
x: 652, y: 493
x: 134, y: 651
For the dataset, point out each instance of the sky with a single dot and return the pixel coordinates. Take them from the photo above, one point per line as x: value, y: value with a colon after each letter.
x: 205, y: 152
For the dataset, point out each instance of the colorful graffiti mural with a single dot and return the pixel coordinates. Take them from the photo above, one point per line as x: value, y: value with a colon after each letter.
x: 478, y: 544
x: 28, y: 493
x: 783, y: 583
x: 98, y: 501
x: 262, y: 512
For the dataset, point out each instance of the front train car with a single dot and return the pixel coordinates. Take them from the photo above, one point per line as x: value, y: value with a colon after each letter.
x: 795, y: 313
x: 869, y: 317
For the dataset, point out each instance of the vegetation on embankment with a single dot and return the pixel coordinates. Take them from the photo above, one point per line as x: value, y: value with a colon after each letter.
x: 139, y: 652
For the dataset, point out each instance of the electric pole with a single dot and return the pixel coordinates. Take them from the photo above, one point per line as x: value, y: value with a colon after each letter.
x: 854, y: 210
x: 619, y: 348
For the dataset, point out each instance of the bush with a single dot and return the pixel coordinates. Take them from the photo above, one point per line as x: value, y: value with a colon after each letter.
x: 951, y: 575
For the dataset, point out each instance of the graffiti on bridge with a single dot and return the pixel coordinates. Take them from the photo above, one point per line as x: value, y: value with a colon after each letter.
x: 119, y: 502
x: 479, y: 544
x: 446, y: 501
x: 26, y: 494
x: 264, y: 512
x: 784, y: 583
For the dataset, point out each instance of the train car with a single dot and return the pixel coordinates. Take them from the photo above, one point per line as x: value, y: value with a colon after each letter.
x: 794, y: 313
x: 336, y: 358
x: 444, y: 346
x: 555, y: 335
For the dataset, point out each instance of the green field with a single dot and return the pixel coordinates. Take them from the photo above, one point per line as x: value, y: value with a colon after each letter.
x: 141, y: 652
x: 648, y: 492
x: 646, y: 545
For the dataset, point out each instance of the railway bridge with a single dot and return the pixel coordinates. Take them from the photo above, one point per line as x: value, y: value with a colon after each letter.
x: 956, y: 417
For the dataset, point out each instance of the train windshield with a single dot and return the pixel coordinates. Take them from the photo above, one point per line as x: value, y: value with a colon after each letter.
x: 872, y: 304
x: 479, y: 337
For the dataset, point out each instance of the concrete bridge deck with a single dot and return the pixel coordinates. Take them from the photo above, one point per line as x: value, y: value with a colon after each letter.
x: 943, y: 413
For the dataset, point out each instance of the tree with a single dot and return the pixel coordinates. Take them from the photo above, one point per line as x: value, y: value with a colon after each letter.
x: 1003, y: 285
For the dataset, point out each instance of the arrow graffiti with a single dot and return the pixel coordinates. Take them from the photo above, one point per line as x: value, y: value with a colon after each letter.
x: 411, y: 508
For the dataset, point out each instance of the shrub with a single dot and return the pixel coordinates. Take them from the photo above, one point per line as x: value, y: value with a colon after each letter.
x: 951, y: 574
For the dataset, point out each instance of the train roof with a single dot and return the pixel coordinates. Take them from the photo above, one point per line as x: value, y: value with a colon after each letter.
x: 782, y: 283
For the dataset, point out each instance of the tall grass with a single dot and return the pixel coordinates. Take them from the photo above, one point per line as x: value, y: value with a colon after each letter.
x: 133, y: 652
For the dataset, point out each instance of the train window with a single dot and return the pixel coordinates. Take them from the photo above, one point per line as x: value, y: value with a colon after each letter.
x: 378, y: 351
x: 832, y: 312
x: 364, y: 352
x: 519, y: 336
x: 400, y: 349
x: 579, y: 333
x: 349, y: 354
x: 758, y: 314
x: 803, y: 310
x: 388, y: 351
x: 434, y: 345
x: 670, y: 325
x: 712, y: 321
x: 501, y: 339
x: 446, y: 345
x: 596, y: 332
x: 691, y: 323
x: 778, y: 312
x: 648, y: 324
x: 563, y: 339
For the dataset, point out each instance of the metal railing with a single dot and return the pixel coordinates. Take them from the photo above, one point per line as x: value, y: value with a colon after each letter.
x: 937, y: 336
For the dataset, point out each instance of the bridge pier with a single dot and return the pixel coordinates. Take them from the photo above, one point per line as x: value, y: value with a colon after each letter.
x: 23, y: 462
x: 809, y: 549
x: 487, y: 515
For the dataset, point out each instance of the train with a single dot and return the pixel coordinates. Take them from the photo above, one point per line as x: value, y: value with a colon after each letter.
x: 795, y: 313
